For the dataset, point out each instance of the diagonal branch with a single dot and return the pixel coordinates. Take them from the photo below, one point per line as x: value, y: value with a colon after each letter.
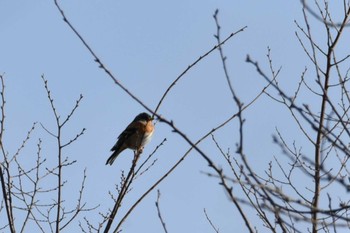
x: 124, y: 189
x: 159, y: 214
x: 218, y: 46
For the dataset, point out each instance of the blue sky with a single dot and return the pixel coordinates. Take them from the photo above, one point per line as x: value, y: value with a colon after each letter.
x: 146, y: 45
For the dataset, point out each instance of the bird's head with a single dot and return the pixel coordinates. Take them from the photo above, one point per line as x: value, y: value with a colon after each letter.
x: 143, y: 117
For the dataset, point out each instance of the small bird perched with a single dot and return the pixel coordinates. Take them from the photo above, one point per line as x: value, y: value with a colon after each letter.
x: 135, y: 136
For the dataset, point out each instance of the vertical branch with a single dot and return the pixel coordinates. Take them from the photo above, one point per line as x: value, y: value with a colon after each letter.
x: 59, y: 155
x: 223, y: 57
x: 60, y: 145
x: 317, y: 155
x: 6, y: 191
x: 59, y: 180
x: 239, y: 115
x: 234, y: 95
x: 324, y: 101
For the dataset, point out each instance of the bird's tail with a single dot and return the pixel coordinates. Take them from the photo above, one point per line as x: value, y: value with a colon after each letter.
x: 114, y: 155
x: 111, y: 159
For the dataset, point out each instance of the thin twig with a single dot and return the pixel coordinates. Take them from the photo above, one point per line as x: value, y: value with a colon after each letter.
x: 316, y: 16
x: 218, y: 46
x: 210, y: 222
x: 159, y: 214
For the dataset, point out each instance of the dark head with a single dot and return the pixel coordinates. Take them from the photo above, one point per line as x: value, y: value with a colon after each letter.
x: 143, y: 117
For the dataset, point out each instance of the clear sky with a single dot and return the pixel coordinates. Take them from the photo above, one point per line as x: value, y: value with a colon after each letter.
x: 146, y: 45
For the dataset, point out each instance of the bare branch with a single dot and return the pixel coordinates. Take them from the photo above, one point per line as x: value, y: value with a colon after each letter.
x: 159, y: 214
x: 210, y: 222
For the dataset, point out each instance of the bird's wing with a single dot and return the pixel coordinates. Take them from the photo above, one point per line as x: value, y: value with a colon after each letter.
x: 126, y: 134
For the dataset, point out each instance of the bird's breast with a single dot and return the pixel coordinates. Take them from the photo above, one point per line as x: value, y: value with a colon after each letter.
x: 148, y: 133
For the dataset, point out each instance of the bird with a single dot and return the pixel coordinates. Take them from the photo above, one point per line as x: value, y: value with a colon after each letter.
x: 136, y: 135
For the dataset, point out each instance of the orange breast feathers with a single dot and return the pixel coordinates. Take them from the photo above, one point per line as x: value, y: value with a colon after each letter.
x: 149, y: 127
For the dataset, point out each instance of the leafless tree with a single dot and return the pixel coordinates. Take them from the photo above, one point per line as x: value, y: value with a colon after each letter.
x: 280, y: 202
x: 29, y: 199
